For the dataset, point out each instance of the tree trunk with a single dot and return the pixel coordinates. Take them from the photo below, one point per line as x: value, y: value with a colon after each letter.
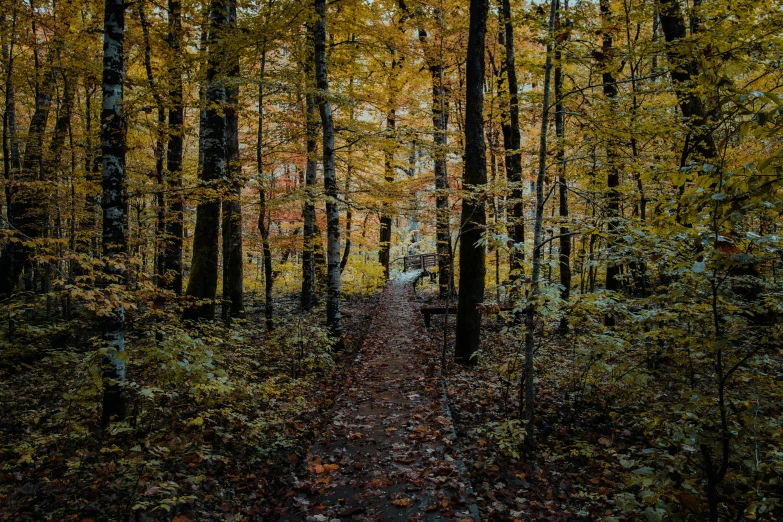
x: 385, y: 232
x: 333, y: 317
x: 263, y: 229
x: 512, y: 142
x: 115, y: 206
x: 348, y: 221
x: 612, y: 156
x: 176, y: 202
x: 232, y: 206
x: 683, y: 73
x: 308, y: 211
x: 564, y: 259
x: 529, y: 375
x: 472, y: 255
x: 204, y: 267
x: 440, y: 122
x: 11, y: 158
x: 308, y: 249
x: 87, y: 238
x: 159, y: 152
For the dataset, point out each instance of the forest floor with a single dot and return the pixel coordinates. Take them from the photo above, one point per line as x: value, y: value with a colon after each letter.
x: 389, y: 451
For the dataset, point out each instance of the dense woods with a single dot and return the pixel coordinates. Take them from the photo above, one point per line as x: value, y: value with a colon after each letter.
x: 209, y: 207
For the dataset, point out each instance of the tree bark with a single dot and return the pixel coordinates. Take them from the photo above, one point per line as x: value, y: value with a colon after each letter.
x: 115, y: 205
x: 385, y: 232
x: 176, y: 117
x: 472, y: 255
x: 530, y: 312
x: 612, y: 156
x: 232, y: 206
x: 204, y: 266
x: 512, y: 142
x: 11, y: 158
x: 440, y: 122
x: 683, y: 69
x: 263, y: 229
x: 308, y: 257
x: 159, y: 152
x: 333, y: 316
x: 564, y: 258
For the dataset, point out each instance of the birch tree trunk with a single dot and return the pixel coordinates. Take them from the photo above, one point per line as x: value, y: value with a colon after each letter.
x: 232, y: 206
x: 472, y: 263
x: 333, y: 316
x: 115, y: 206
x: 202, y: 284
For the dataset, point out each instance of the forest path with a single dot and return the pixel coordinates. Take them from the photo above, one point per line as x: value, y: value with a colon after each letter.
x: 387, y: 454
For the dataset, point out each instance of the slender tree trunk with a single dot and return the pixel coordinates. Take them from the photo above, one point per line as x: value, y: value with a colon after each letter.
x: 115, y: 205
x: 232, y: 205
x: 159, y: 152
x: 564, y: 259
x: 333, y: 316
x: 176, y: 116
x: 530, y: 312
x: 50, y: 176
x: 472, y: 264
x: 512, y: 141
x: 612, y: 156
x: 204, y: 266
x: 440, y: 122
x: 87, y: 238
x: 11, y: 158
x: 263, y: 229
x: 638, y: 268
x: 385, y: 232
x: 348, y: 221
x: 308, y: 257
x: 308, y: 210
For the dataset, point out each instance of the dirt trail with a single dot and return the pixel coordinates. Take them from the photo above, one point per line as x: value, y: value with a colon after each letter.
x: 388, y: 452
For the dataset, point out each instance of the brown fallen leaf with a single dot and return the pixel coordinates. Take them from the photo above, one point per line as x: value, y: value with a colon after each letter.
x: 379, y: 483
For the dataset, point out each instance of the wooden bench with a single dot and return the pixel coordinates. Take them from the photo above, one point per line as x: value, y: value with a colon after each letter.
x: 420, y: 262
x: 429, y: 311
